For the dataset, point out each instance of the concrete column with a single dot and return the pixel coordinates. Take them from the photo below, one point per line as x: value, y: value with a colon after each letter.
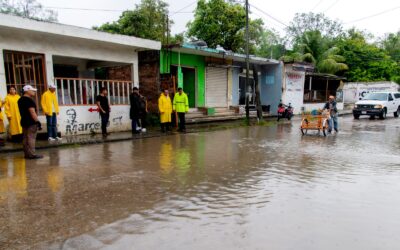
x: 135, y: 71
x: 49, y: 68
x: 3, y: 86
x: 229, y: 87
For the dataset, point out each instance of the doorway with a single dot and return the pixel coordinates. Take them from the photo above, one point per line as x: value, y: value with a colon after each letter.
x: 189, y: 83
x: 23, y: 68
x: 243, y: 90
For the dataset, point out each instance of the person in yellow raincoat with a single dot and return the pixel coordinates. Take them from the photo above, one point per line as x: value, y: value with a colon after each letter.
x: 12, y: 113
x: 50, y: 108
x: 165, y: 108
x: 2, y: 130
x: 181, y: 106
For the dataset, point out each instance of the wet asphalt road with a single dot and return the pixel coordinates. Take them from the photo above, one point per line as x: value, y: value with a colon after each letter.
x: 244, y: 188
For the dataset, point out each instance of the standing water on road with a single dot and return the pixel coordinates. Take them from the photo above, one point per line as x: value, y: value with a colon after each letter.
x: 244, y: 188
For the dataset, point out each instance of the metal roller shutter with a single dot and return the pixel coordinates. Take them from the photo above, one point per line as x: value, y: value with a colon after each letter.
x: 216, y: 87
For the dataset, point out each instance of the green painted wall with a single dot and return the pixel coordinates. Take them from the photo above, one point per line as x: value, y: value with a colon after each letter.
x: 190, y: 61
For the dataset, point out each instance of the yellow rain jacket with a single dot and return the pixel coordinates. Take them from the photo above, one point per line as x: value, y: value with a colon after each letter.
x: 48, y: 100
x: 181, y: 103
x: 2, y: 130
x: 12, y: 113
x: 165, y: 107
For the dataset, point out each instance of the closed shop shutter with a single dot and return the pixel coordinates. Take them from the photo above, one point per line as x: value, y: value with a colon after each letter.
x: 216, y: 87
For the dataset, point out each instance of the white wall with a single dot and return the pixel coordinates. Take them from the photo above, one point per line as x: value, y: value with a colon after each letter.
x: 74, y: 120
x: 353, y: 91
x: 293, y: 88
x: 52, y: 45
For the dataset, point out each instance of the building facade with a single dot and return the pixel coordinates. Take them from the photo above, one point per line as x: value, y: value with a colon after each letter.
x: 216, y: 78
x: 307, y: 91
x: 79, y: 61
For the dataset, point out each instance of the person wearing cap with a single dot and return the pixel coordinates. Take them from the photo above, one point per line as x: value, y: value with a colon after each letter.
x: 333, y: 111
x: 50, y: 108
x: 181, y: 106
x: 29, y: 121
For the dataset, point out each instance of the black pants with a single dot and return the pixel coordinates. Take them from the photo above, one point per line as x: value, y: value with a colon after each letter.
x: 143, y: 120
x: 165, y: 126
x: 182, y: 121
x: 104, y: 122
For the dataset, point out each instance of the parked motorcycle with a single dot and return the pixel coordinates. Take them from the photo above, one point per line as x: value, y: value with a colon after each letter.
x: 285, y: 111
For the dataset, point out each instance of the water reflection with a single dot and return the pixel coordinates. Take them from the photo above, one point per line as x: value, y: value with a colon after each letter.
x: 244, y: 188
x: 13, y: 180
x: 166, y: 157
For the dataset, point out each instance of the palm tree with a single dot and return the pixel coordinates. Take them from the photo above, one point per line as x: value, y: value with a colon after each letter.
x: 311, y: 47
x: 331, y: 62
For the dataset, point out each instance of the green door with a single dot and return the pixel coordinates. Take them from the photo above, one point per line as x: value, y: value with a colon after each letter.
x: 189, y: 85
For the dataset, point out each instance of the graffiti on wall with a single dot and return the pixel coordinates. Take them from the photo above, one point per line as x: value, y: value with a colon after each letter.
x: 73, y: 126
x: 117, y: 121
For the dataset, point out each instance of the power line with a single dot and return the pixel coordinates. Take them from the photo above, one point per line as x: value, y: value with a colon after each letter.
x: 270, y: 16
x: 330, y: 7
x: 103, y: 10
x: 268, y: 23
x: 374, y: 15
x: 82, y: 9
x: 187, y: 6
x: 316, y: 5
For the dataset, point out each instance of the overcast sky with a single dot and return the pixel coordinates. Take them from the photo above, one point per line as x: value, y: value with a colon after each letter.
x: 347, y: 11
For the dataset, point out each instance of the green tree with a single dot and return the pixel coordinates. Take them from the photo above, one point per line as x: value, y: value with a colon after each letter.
x: 220, y: 22
x: 366, y: 61
x: 270, y: 45
x: 29, y: 9
x: 305, y: 22
x: 321, y: 51
x: 148, y: 20
x: 391, y: 43
x: 177, y: 38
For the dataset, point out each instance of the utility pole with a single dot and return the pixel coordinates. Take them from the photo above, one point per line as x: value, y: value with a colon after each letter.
x: 247, y: 63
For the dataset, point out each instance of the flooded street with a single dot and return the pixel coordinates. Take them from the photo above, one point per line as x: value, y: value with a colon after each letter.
x: 243, y: 188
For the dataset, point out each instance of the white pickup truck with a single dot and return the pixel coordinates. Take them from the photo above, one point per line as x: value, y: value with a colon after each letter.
x: 378, y: 104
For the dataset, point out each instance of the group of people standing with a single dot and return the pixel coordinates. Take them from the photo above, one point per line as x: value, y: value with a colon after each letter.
x: 180, y: 105
x: 138, y: 110
x: 23, y: 118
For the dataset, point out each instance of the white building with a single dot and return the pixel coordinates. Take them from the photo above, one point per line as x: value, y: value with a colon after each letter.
x: 307, y: 91
x: 79, y: 61
x: 353, y: 91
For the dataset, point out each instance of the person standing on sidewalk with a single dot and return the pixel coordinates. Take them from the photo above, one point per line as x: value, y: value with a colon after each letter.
x: 51, y: 110
x: 104, y: 109
x: 29, y: 122
x: 2, y: 130
x: 13, y: 116
x: 181, y: 106
x: 165, y: 108
x: 135, y: 109
x: 331, y: 107
x: 143, y: 113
